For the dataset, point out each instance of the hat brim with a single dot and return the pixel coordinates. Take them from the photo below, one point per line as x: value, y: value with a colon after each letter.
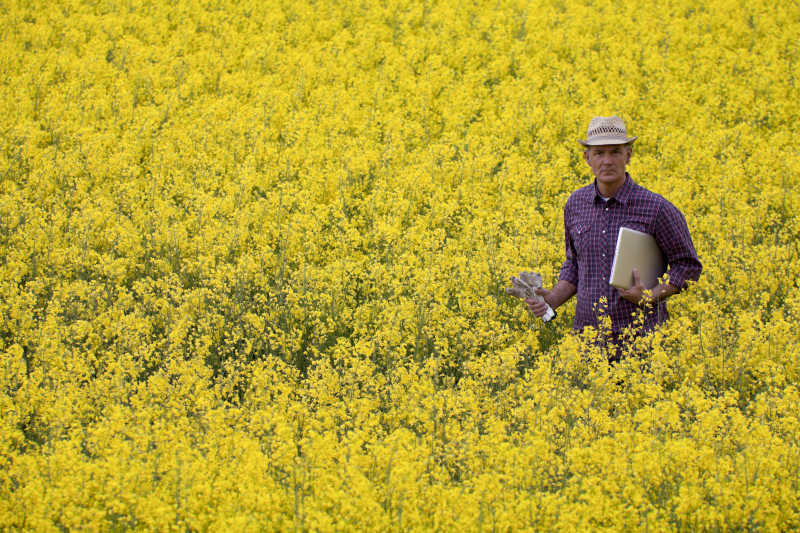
x: 605, y: 141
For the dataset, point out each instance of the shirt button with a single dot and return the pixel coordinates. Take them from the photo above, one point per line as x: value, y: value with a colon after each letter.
x: 606, y: 209
x: 604, y: 231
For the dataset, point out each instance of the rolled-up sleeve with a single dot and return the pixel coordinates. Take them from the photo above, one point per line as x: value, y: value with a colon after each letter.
x: 672, y: 235
x: 569, y: 270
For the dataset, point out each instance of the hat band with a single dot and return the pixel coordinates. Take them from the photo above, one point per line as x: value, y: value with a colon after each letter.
x: 605, y: 131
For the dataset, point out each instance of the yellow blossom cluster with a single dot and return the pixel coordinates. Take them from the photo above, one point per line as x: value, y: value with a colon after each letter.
x: 252, y: 260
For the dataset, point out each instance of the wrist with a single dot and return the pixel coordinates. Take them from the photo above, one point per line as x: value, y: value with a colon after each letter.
x: 560, y: 293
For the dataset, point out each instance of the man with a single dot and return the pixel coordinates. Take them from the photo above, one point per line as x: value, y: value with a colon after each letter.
x: 592, y: 217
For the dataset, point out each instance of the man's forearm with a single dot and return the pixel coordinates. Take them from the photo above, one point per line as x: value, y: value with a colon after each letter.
x: 662, y: 291
x: 560, y: 293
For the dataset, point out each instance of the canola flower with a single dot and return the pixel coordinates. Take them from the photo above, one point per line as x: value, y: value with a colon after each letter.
x: 253, y: 260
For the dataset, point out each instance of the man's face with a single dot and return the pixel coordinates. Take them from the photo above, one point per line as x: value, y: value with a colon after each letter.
x: 608, y: 162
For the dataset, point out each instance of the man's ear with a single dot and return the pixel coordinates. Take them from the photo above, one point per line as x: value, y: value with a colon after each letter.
x: 586, y: 156
x: 630, y: 152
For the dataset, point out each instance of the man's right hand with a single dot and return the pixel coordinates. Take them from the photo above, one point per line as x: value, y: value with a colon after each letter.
x: 537, y: 307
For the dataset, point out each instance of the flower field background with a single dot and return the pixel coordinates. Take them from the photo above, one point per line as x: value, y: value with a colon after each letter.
x: 253, y: 259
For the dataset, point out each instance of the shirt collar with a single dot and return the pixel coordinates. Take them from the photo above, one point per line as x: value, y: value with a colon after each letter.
x: 623, y: 194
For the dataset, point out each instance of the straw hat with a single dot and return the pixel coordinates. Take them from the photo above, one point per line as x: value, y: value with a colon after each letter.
x: 606, y: 130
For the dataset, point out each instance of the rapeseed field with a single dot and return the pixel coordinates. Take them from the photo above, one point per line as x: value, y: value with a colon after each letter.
x: 253, y: 253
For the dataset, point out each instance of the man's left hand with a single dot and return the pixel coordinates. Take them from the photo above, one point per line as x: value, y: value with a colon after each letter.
x: 636, y: 294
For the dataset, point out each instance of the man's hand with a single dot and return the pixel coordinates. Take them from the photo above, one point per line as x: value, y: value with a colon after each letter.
x: 525, y: 287
x: 560, y: 293
x: 636, y: 293
x: 538, y: 307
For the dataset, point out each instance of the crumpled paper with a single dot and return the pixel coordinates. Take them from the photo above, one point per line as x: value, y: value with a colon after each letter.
x: 523, y: 287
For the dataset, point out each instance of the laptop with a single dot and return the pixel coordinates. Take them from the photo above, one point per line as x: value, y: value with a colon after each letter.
x: 636, y: 250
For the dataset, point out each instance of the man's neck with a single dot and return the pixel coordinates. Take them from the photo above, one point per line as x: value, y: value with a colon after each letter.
x: 609, y: 190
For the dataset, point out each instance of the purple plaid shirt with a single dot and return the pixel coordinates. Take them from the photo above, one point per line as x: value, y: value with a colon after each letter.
x: 590, y: 229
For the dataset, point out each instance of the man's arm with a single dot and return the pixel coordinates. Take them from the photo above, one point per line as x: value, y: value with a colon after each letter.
x: 637, y: 292
x: 672, y: 235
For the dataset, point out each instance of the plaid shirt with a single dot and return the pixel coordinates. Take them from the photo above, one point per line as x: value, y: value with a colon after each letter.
x: 591, y: 226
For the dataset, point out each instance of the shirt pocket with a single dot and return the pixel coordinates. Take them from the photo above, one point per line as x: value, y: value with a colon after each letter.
x: 580, y: 238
